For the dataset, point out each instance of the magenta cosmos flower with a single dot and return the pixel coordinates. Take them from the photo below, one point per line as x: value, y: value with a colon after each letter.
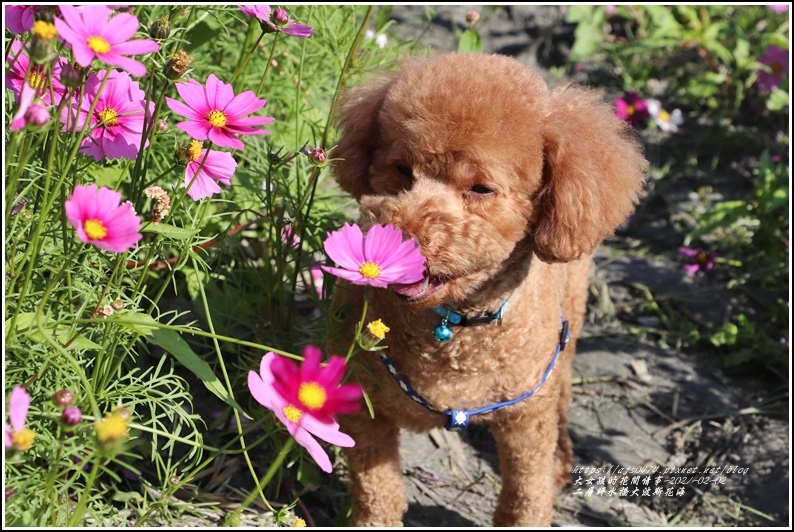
x: 208, y: 167
x: 380, y: 259
x: 93, y: 33
x: 18, y: 436
x: 215, y: 113
x: 315, y: 388
x: 277, y: 21
x: 24, y: 103
x: 777, y: 60
x: 700, y: 260
x: 117, y: 120
x: 632, y: 109
x: 101, y: 219
x: 300, y: 424
x: 21, y: 70
x: 20, y: 19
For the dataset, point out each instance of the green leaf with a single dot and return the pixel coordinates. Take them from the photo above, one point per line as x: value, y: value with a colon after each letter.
x: 26, y: 324
x: 470, y: 41
x: 777, y: 100
x: 137, y: 322
x: 172, y: 342
x: 723, y: 214
x: 171, y: 231
x: 588, y: 36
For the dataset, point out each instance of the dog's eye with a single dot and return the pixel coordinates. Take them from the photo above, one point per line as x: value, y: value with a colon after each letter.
x: 480, y: 189
x: 405, y: 170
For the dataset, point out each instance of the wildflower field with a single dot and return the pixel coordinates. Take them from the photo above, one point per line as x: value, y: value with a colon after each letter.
x: 172, y: 233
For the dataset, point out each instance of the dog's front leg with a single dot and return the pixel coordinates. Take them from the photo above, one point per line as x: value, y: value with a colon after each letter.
x: 376, y: 479
x: 526, y: 444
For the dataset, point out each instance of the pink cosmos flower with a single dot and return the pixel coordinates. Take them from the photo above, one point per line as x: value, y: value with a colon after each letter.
x: 215, y: 113
x: 117, y: 120
x: 317, y: 277
x: 303, y: 426
x: 21, y: 69
x: 20, y: 19
x: 25, y: 101
x: 18, y: 436
x: 93, y: 33
x: 700, y: 260
x: 777, y: 8
x: 218, y: 166
x: 777, y: 60
x: 380, y: 259
x: 632, y: 108
x: 277, y: 21
x: 290, y: 237
x: 314, y: 388
x: 101, y: 219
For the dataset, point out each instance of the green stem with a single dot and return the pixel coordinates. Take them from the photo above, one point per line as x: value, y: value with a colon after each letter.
x: 244, y: 62
x: 85, y: 495
x: 274, y: 466
x: 360, y: 325
x: 267, y: 65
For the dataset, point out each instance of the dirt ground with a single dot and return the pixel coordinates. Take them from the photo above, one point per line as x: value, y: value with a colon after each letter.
x: 662, y: 437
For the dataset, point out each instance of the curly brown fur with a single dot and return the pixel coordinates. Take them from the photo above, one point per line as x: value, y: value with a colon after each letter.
x: 508, y: 187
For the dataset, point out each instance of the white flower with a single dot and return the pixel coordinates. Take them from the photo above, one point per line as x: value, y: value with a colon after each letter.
x: 381, y: 40
x: 667, y: 122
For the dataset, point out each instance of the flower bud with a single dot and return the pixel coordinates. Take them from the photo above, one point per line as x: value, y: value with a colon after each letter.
x: 162, y: 125
x: 472, y: 17
x: 318, y: 156
x: 37, y: 114
x: 63, y: 397
x: 71, y: 416
x: 160, y: 29
x: 280, y: 17
x: 71, y: 77
x: 117, y: 304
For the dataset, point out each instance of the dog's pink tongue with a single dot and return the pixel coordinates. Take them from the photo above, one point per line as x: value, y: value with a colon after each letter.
x: 415, y: 291
x: 410, y: 290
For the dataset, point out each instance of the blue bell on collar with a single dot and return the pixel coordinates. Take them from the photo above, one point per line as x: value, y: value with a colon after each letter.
x: 442, y: 332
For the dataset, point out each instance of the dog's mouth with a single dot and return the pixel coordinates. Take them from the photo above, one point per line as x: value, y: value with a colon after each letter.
x: 419, y: 291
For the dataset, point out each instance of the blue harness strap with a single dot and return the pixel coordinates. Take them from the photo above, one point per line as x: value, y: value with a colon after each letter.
x: 459, y: 419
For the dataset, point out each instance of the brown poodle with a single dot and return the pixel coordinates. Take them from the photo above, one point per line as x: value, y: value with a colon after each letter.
x: 508, y: 187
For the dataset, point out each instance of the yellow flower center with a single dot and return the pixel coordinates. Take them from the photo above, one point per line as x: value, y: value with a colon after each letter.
x: 702, y: 258
x: 312, y: 395
x: 23, y: 440
x: 108, y: 117
x: 664, y: 116
x: 630, y: 110
x: 217, y: 118
x: 370, y: 270
x: 44, y: 31
x: 95, y: 229
x: 112, y: 427
x: 378, y: 329
x: 194, y: 151
x: 299, y: 522
x: 776, y: 67
x: 98, y: 44
x: 292, y: 413
x: 35, y: 80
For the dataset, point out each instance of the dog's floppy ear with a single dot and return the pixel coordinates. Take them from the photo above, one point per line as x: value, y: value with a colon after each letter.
x: 358, y: 124
x: 593, y: 175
